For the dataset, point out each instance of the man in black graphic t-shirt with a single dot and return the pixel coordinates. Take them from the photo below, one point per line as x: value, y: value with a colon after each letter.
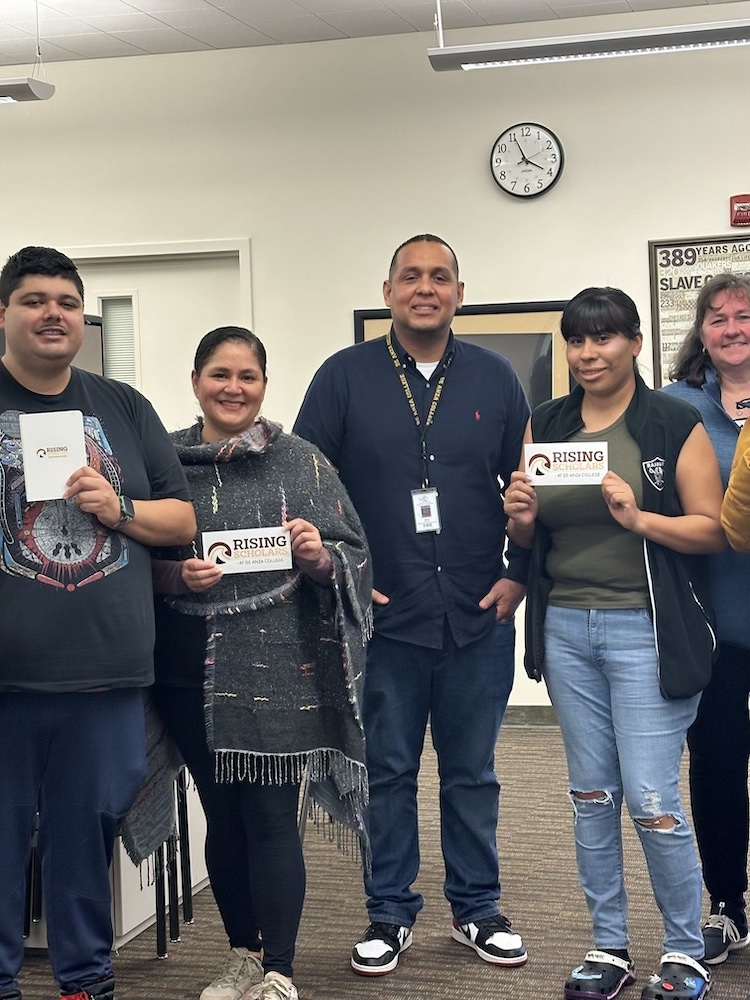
x: 76, y: 624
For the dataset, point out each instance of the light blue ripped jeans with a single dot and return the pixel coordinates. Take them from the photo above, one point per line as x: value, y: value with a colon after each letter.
x: 624, y: 739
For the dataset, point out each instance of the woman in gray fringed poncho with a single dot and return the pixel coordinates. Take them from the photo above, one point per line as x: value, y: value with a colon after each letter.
x: 260, y: 674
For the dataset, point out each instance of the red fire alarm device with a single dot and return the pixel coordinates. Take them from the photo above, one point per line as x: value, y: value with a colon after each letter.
x: 739, y: 210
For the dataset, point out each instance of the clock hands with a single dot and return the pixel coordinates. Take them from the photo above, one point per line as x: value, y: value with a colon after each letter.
x: 525, y: 158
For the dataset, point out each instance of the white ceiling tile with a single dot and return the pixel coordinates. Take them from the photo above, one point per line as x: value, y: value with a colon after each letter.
x: 97, y: 45
x: 576, y: 8
x: 58, y: 26
x: 247, y: 10
x: 361, y: 24
x: 17, y: 8
x: 50, y: 52
x: 339, y: 6
x: 639, y: 5
x: 22, y: 49
x: 162, y: 40
x: 10, y: 31
x: 297, y: 29
x: 123, y: 22
x: 562, y: 7
x: 421, y: 15
x: 89, y: 8
x: 491, y: 10
x: 227, y: 36
x: 198, y: 18
x: 156, y: 6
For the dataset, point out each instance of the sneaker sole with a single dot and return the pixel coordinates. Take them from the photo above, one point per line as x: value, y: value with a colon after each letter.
x: 732, y: 946
x: 382, y: 970
x: 458, y: 935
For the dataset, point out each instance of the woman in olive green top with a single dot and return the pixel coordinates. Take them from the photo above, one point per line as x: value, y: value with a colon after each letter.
x: 614, y: 627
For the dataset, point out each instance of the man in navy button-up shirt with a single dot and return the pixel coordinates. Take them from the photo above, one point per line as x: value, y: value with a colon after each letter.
x: 424, y: 430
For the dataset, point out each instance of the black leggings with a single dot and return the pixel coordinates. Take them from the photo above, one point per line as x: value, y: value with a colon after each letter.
x: 719, y: 742
x: 253, y: 851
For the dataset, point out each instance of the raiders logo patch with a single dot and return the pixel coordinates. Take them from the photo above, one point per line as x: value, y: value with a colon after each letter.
x: 654, y: 470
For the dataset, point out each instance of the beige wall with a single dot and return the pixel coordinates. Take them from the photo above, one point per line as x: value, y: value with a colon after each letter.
x: 327, y: 155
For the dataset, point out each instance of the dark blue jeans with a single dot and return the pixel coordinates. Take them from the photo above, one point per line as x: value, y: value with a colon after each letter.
x: 463, y: 694
x: 79, y: 758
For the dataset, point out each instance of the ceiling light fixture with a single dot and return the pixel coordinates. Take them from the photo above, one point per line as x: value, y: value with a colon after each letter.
x: 28, y: 88
x: 24, y: 88
x: 603, y: 45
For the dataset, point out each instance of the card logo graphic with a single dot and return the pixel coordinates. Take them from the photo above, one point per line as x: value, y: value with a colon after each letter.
x: 219, y: 553
x: 539, y: 465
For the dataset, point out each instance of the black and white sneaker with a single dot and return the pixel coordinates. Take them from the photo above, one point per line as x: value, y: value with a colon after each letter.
x: 722, y: 934
x: 492, y: 939
x: 379, y: 948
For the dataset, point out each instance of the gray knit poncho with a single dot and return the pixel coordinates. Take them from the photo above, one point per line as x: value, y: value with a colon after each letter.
x: 284, y: 657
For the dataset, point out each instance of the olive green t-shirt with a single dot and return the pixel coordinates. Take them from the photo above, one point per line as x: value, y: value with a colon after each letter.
x: 594, y: 562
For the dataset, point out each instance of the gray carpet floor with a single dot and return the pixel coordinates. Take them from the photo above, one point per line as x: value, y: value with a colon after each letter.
x: 540, y: 895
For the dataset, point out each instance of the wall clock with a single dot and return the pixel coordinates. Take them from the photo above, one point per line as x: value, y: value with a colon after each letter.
x: 527, y: 160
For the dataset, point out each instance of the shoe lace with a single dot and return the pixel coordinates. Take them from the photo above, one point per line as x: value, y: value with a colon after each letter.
x: 493, y: 924
x: 379, y: 931
x: 275, y: 989
x: 235, y: 968
x: 725, y: 924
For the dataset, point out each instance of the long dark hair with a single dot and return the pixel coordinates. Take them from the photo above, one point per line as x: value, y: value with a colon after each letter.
x: 692, y: 358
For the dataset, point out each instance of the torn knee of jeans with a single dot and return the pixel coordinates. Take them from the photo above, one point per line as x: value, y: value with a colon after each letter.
x: 659, y: 824
x: 601, y: 797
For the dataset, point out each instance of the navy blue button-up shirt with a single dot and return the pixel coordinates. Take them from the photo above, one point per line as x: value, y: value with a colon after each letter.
x: 356, y: 412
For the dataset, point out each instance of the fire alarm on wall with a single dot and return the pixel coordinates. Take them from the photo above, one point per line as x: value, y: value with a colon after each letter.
x: 739, y: 210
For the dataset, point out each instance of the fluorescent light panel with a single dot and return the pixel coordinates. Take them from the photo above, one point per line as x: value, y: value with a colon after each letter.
x: 24, y: 88
x: 605, y: 45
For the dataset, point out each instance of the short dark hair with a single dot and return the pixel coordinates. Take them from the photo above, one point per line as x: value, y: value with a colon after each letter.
x: 692, y: 360
x: 215, y: 338
x: 422, y: 238
x: 36, y: 260
x: 600, y: 310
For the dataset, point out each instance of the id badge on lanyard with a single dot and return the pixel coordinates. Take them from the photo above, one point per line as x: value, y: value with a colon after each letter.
x: 425, y: 500
x: 426, y: 509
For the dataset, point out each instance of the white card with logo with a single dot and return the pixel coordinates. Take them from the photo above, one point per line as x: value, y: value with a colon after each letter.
x: 567, y: 463
x: 53, y: 448
x: 426, y: 510
x: 249, y: 550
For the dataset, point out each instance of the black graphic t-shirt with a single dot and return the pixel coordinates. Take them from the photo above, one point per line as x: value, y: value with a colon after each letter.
x: 76, y: 610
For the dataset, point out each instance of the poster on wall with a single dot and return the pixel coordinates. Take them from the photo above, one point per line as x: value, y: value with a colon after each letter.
x: 525, y: 333
x: 678, y: 270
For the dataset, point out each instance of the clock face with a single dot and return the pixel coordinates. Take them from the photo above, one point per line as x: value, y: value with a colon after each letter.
x: 527, y: 160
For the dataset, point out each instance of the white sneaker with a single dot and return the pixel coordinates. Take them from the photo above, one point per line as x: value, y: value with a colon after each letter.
x: 241, y: 971
x: 274, y: 987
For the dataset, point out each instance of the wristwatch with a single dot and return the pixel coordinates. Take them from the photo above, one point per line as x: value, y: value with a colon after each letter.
x: 127, y: 511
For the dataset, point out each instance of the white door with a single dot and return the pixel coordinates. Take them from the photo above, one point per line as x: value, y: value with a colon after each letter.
x: 175, y: 300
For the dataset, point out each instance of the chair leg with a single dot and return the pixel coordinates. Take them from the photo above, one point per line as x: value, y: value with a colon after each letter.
x: 183, y: 835
x: 161, y: 904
